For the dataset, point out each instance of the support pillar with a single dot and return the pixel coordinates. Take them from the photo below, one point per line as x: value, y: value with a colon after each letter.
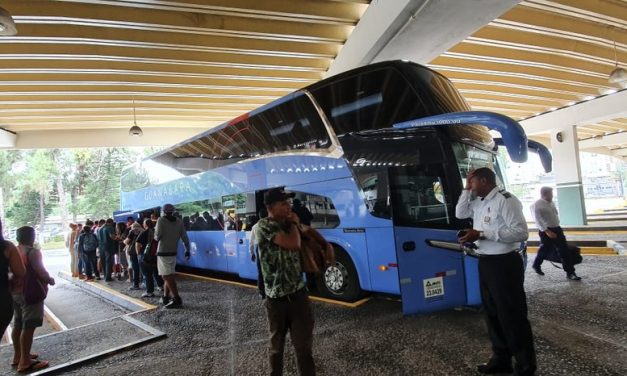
x: 567, y: 169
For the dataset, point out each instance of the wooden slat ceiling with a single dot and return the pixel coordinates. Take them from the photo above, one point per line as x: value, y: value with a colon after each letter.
x: 540, y: 56
x: 79, y: 64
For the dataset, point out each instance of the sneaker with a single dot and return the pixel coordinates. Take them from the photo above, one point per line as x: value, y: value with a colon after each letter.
x: 134, y: 288
x: 98, y: 278
x: 148, y: 295
x: 573, y: 277
x: 81, y: 276
x: 89, y: 279
x: 165, y: 300
x: 538, y: 270
x: 175, y: 302
x: 159, y: 289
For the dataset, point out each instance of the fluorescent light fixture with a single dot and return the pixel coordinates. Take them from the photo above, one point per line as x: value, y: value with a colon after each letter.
x: 588, y: 97
x: 7, y: 25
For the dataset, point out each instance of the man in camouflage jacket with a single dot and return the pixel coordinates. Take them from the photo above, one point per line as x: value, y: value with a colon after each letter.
x: 287, y: 303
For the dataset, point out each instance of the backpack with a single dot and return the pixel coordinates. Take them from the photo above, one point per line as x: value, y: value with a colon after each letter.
x: 150, y: 251
x: 90, y: 242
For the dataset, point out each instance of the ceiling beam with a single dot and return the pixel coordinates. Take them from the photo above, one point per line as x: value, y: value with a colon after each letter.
x: 609, y: 140
x: 593, y: 111
x: 98, y: 138
x: 412, y: 30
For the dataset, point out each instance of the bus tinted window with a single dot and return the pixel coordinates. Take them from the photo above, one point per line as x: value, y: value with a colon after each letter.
x: 322, y: 212
x: 371, y: 100
x: 292, y: 125
x: 201, y: 215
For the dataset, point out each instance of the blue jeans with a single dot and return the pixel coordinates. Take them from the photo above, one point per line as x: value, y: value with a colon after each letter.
x: 90, y: 263
x: 81, y: 264
x: 150, y: 276
x: 136, y: 272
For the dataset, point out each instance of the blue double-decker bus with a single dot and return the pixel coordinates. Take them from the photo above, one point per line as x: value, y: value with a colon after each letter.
x: 378, y: 155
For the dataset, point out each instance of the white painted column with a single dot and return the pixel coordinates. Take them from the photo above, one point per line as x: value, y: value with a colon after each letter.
x: 567, y: 170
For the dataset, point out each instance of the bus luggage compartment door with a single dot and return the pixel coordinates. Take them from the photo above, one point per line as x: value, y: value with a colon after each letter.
x: 431, y: 277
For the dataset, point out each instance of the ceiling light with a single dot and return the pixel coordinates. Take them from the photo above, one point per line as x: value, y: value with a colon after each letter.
x: 609, y: 91
x: 570, y: 103
x: 135, y: 129
x: 588, y: 97
x: 618, y: 76
x: 7, y: 25
x: 552, y: 108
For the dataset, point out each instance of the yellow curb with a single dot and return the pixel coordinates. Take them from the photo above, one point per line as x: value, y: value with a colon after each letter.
x: 586, y: 251
x: 123, y: 296
x: 324, y: 300
x: 114, y: 292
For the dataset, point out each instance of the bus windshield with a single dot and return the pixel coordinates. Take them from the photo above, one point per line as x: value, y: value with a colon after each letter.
x: 470, y: 158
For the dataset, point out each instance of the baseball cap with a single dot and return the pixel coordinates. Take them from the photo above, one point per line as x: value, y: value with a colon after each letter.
x: 275, y: 195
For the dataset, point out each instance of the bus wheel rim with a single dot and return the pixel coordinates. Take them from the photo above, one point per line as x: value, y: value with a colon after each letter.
x: 335, y: 278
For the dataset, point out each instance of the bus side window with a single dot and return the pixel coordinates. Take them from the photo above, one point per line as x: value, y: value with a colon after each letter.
x: 374, y: 185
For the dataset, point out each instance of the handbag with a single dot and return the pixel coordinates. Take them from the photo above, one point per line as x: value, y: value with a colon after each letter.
x: 574, y: 254
x: 34, y: 290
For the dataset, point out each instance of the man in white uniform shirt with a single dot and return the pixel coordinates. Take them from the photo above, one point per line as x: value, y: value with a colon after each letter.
x: 551, y: 234
x: 499, y: 227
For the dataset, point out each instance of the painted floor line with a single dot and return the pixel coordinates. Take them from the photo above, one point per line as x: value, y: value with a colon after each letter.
x: 54, y: 320
x: 316, y: 298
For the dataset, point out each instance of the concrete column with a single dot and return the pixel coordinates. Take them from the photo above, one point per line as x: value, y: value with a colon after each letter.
x: 567, y: 171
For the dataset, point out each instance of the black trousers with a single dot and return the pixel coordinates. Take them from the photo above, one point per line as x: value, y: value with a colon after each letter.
x: 295, y: 314
x: 505, y: 304
x: 548, y: 245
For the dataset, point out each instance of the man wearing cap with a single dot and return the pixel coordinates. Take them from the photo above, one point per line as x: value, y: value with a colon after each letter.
x: 168, y: 231
x: 287, y: 302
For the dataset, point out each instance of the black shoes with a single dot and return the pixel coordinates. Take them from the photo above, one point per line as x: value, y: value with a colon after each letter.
x: 494, y: 366
x: 573, y: 277
x: 538, y: 270
x: 175, y: 302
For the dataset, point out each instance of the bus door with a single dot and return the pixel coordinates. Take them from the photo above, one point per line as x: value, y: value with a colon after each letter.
x: 430, y: 262
x: 239, y: 212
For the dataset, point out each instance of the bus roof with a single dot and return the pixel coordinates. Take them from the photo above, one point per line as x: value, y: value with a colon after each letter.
x: 196, y: 147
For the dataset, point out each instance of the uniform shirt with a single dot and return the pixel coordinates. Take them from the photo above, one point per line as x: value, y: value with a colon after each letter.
x: 282, y: 274
x: 545, y: 214
x: 499, y: 215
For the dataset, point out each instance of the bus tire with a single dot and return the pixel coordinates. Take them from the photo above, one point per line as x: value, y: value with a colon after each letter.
x: 339, y: 281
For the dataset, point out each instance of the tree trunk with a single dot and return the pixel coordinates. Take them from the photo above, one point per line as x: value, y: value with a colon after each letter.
x: 62, y: 201
x: 42, y: 217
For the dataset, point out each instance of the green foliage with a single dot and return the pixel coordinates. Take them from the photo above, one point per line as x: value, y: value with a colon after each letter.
x: 90, y: 179
x: 24, y: 210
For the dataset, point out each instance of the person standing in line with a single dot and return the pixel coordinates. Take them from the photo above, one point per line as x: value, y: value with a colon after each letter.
x: 168, y: 231
x: 129, y: 241
x: 27, y: 317
x: 87, y: 246
x: 551, y: 234
x: 499, y: 227
x: 10, y: 263
x: 70, y: 239
x: 109, y: 246
x: 147, y: 263
x: 287, y: 302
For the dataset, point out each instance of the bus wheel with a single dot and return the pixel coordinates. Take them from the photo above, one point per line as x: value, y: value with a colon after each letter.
x: 339, y: 281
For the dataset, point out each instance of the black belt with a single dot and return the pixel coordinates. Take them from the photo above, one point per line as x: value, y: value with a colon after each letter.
x: 499, y: 255
x: 290, y: 297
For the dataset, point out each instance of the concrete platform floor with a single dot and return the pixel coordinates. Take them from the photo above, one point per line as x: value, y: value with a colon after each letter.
x: 580, y: 329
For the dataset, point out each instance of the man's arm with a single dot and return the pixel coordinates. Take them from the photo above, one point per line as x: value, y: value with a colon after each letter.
x: 158, y: 230
x: 288, y: 240
x: 539, y: 214
x: 15, y: 261
x: 515, y: 229
x: 184, y: 237
x: 464, y: 209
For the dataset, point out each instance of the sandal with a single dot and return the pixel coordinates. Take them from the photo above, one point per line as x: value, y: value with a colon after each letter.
x: 34, y: 366
x: 32, y: 356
